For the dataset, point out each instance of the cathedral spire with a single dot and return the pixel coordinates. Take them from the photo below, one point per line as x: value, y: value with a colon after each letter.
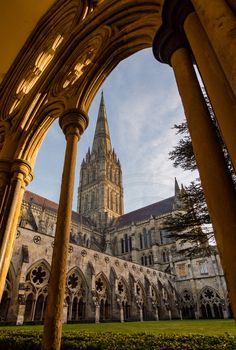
x: 102, y: 141
x: 177, y: 189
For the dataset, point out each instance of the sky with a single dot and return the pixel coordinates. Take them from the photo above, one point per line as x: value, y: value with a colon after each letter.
x: 142, y: 104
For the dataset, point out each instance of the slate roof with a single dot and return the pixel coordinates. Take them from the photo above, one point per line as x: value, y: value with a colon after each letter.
x: 156, y: 209
x: 52, y: 206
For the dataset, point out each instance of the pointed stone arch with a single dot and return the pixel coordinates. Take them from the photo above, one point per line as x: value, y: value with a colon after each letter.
x: 187, y: 304
x: 212, y: 305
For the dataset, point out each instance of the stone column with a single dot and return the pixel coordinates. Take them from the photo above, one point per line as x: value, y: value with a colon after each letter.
x: 5, y: 170
x: 21, y: 176
x: 141, y: 312
x: 157, y: 313
x: 219, y: 22
x: 171, y: 47
x: 121, y: 313
x: 97, y: 312
x: 220, y: 93
x: 73, y: 123
x: 216, y: 180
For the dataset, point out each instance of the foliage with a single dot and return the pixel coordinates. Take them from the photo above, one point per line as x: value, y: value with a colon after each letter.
x: 12, y: 340
x: 187, y: 224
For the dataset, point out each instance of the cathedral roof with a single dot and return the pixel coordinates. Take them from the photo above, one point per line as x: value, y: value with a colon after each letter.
x: 52, y: 206
x: 156, y: 209
x: 102, y: 141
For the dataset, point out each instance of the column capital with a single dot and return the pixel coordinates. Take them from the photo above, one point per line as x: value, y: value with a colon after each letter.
x: 170, y: 36
x: 21, y: 169
x: 166, y: 42
x: 73, y: 121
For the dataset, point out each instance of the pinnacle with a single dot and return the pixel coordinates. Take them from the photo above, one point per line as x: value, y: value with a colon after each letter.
x: 101, y: 141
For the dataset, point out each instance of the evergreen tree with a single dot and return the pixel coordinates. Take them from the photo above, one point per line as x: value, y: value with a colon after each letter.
x: 191, y: 222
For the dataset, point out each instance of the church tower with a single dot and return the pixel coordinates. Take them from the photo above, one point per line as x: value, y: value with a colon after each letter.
x: 100, y: 192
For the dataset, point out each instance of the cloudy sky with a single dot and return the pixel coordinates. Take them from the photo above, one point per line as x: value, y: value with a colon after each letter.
x: 142, y: 104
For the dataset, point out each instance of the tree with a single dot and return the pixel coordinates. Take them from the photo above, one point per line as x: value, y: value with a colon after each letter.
x: 191, y: 222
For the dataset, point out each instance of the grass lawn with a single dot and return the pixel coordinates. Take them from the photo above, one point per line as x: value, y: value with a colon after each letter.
x: 207, y: 327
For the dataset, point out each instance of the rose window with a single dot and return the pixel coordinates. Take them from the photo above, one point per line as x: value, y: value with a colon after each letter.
x: 39, y: 275
x: 99, y: 285
x: 121, y: 288
x: 209, y: 294
x: 73, y: 281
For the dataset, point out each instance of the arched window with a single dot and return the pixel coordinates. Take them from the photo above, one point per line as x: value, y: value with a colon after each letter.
x: 145, y: 260
x: 29, y: 307
x: 122, y: 246
x: 126, y: 243
x: 141, y: 240
x: 150, y: 258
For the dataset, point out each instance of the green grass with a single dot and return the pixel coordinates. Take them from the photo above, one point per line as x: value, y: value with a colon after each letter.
x: 206, y: 327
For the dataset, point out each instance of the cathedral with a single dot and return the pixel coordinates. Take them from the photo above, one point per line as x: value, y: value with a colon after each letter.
x: 121, y: 267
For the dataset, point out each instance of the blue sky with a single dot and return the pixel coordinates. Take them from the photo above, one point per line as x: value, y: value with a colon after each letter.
x: 142, y: 104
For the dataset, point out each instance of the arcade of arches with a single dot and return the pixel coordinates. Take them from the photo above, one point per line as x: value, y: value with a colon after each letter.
x: 69, y: 53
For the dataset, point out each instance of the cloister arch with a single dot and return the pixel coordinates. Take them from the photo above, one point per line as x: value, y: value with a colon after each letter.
x: 70, y: 52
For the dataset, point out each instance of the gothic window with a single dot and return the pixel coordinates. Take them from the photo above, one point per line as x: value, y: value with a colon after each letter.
x: 73, y: 281
x: 86, y: 202
x: 149, y: 239
x: 211, y: 303
x: 141, y: 241
x: 39, y: 275
x: 101, y: 287
x: 203, y: 267
x: 130, y: 243
x: 187, y: 302
x: 150, y: 258
x: 29, y: 307
x: 145, y: 260
x: 126, y: 243
x: 142, y: 260
x: 122, y: 246
x: 145, y: 238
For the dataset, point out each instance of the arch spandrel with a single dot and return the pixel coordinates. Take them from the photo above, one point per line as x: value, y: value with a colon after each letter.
x: 73, y: 75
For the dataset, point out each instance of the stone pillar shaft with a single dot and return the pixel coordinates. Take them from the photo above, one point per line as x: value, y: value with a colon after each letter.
x: 10, y: 215
x: 73, y: 123
x: 216, y: 180
x: 221, y: 96
x: 219, y: 23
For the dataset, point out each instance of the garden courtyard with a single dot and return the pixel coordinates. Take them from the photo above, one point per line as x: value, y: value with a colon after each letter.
x: 163, y: 335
